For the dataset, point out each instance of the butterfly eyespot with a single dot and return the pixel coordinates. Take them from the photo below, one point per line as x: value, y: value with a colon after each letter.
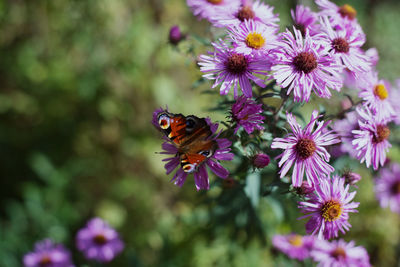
x: 164, y: 122
x: 206, y: 153
x: 189, y: 168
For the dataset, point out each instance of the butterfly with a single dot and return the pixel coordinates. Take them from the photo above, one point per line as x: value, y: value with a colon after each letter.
x: 191, y: 136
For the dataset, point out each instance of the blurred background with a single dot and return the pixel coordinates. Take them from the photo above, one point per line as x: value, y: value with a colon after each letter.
x: 79, y: 81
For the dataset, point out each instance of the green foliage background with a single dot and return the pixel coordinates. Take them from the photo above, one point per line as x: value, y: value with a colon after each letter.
x: 79, y: 80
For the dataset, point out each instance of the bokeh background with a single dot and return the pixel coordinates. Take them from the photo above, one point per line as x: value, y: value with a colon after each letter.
x: 79, y: 80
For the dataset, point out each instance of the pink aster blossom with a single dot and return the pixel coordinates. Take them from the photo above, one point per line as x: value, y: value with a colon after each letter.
x: 248, y: 10
x: 230, y: 68
x: 340, y: 17
x: 246, y: 113
x: 210, y: 9
x: 47, y: 253
x: 98, y: 241
x: 329, y: 207
x: 222, y: 152
x: 345, y: 44
x: 305, y: 20
x: 305, y: 149
x: 387, y: 187
x: 304, y: 65
x: 370, y: 140
x: 294, y: 246
x: 338, y: 253
x: 253, y: 37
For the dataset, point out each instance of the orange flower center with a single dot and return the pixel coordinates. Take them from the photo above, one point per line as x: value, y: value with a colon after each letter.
x: 331, y: 210
x: 45, y: 261
x: 236, y: 63
x: 338, y: 253
x: 305, y: 62
x: 340, y: 45
x: 215, y: 2
x: 296, y: 240
x: 246, y: 12
x: 100, y: 239
x: 381, y: 91
x: 347, y: 11
x: 382, y: 133
x: 255, y: 40
x: 305, y: 148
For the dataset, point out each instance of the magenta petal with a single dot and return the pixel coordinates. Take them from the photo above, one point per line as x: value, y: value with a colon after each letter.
x: 172, y: 164
x: 201, y: 178
x: 169, y: 148
x: 218, y: 169
x: 179, y: 177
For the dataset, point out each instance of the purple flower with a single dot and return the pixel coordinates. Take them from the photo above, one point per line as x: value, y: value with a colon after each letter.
x: 230, y: 68
x: 304, y: 65
x: 210, y: 9
x: 370, y: 140
x: 305, y: 20
x: 329, y: 208
x: 261, y: 160
x: 200, y: 174
x: 376, y: 94
x: 175, y: 35
x: 305, y: 149
x: 246, y: 113
x: 339, y: 253
x: 345, y: 45
x: 351, y: 178
x: 387, y: 187
x: 341, y: 16
x: 47, y: 253
x: 294, y: 246
x: 248, y: 10
x: 253, y: 37
x: 98, y: 241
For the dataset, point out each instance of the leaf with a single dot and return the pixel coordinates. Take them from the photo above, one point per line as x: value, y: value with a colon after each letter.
x: 252, y: 188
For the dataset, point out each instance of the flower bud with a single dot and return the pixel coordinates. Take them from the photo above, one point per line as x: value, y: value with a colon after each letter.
x: 261, y: 160
x: 175, y: 35
x: 351, y: 177
x: 304, y: 189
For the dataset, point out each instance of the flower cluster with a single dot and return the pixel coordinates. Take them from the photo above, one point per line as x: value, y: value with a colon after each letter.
x: 98, y: 241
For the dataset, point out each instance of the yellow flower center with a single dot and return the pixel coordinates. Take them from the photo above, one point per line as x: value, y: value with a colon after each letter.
x: 380, y: 91
x: 255, y: 40
x: 331, y: 211
x: 296, y: 240
x: 214, y: 2
x: 348, y: 11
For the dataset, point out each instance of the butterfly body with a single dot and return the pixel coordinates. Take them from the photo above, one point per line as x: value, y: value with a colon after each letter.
x: 191, y: 136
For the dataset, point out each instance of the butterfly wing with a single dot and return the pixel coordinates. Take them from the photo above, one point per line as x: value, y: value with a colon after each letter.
x: 191, y: 135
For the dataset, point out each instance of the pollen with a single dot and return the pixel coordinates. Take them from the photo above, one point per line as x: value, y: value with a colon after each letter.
x: 305, y: 62
x: 331, y: 211
x: 382, y: 133
x: 255, y: 40
x: 246, y: 12
x: 215, y: 2
x: 100, y: 239
x: 340, y: 45
x: 45, y: 261
x: 347, y: 11
x: 338, y: 253
x: 381, y: 91
x: 305, y: 148
x: 236, y: 63
x: 296, y: 240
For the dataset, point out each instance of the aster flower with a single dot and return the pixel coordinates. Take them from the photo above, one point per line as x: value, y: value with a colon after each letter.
x: 248, y: 10
x: 370, y: 140
x: 230, y: 68
x: 210, y: 9
x: 387, y: 187
x: 253, y: 37
x: 305, y: 20
x: 376, y: 94
x: 339, y: 253
x: 340, y: 17
x: 222, y: 152
x: 293, y: 245
x: 98, y: 241
x: 47, y: 253
x: 329, y: 208
x: 305, y: 149
x: 345, y: 45
x: 304, y: 66
x: 246, y: 113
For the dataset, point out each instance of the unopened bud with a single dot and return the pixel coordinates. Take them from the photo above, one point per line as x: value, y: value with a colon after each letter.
x: 261, y: 160
x: 175, y: 35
